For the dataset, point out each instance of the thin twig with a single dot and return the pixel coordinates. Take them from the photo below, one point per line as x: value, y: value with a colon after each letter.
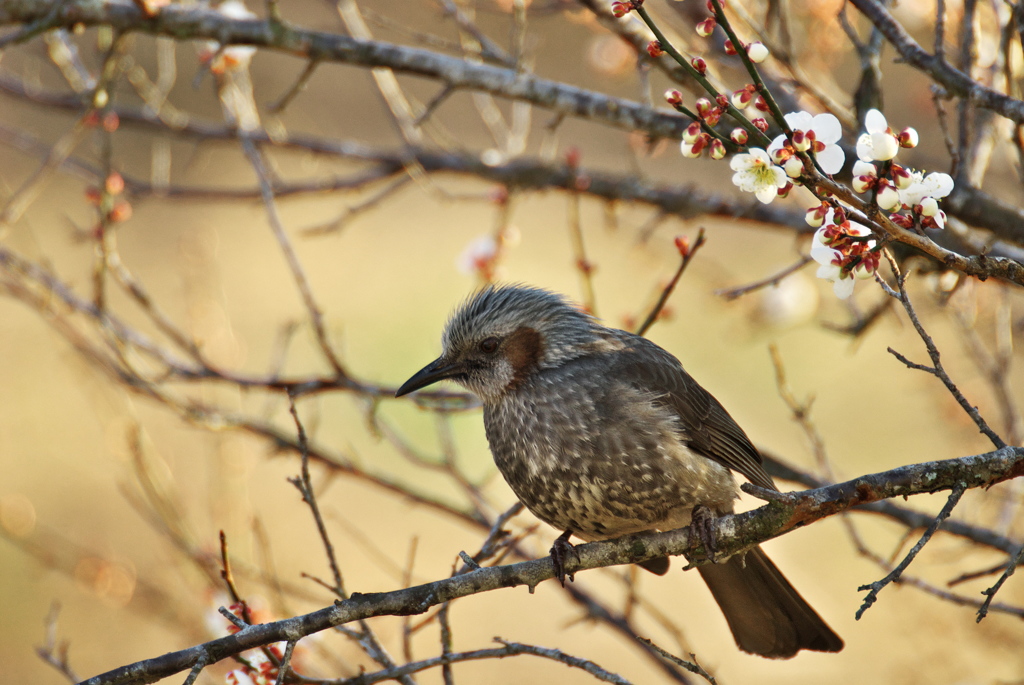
x: 305, y: 487
x: 874, y: 588
x: 52, y: 652
x: 283, y: 667
x: 990, y: 593
x: 691, y: 666
x: 267, y: 193
x: 297, y: 87
x: 936, y: 369
x: 686, y: 256
x: 738, y: 291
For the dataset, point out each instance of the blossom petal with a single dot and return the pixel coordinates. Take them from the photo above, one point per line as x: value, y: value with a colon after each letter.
x: 864, y: 148
x: 823, y: 254
x: 874, y: 122
x: 828, y: 272
x: 800, y: 121
x: 843, y: 288
x: 831, y: 159
x: 827, y: 128
x: 767, y: 193
x: 939, y: 184
x: 883, y: 146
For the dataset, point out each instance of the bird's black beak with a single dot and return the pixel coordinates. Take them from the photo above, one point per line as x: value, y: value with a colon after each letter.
x: 437, y: 370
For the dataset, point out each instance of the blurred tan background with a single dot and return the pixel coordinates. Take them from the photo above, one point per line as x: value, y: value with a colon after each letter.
x: 386, y: 283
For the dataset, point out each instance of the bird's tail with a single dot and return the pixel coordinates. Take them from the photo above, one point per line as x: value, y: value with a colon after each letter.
x: 766, y: 614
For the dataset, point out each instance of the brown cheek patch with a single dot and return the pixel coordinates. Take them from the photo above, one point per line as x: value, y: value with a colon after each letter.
x: 522, y: 349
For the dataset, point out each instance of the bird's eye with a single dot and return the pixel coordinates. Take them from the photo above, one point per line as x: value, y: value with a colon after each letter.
x: 489, y: 345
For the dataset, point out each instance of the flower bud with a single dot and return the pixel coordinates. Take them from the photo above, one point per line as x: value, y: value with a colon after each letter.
x: 761, y: 105
x: 739, y: 136
x: 706, y: 27
x: 757, y: 52
x: 695, y: 148
x: 908, y: 138
x: 114, y: 183
x: 620, y: 9
x: 901, y: 177
x: 121, y: 211
x: 673, y: 97
x: 730, y: 49
x: 742, y: 98
x: 654, y: 49
x: 800, y: 141
x: 863, y: 270
x: 692, y: 132
x: 862, y: 184
x: 703, y: 107
x: 887, y: 198
x: 780, y: 155
x: 699, y: 64
x: 862, y: 168
x: 718, y: 150
x: 793, y: 167
x: 760, y: 123
x: 815, y: 216
x: 690, y: 150
x: 929, y: 207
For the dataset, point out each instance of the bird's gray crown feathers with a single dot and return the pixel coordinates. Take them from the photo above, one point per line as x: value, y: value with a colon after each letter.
x: 499, y: 311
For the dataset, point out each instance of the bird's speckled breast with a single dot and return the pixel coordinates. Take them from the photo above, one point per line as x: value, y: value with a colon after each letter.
x: 599, y: 456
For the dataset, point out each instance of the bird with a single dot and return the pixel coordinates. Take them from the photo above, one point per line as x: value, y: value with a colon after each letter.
x: 601, y: 433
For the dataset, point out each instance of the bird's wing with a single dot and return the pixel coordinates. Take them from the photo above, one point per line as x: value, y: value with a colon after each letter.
x: 707, y: 427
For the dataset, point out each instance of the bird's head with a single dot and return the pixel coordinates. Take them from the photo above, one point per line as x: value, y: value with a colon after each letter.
x: 501, y: 335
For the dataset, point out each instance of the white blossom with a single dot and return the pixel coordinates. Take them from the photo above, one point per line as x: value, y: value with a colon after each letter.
x: 935, y: 185
x: 827, y: 131
x: 756, y: 174
x: 757, y: 52
x: 878, y: 144
x: 831, y: 260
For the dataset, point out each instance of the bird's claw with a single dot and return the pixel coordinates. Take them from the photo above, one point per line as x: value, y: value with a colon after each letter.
x: 702, y: 530
x: 560, y: 551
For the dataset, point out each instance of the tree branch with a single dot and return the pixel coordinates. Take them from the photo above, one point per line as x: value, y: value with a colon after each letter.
x: 734, y: 534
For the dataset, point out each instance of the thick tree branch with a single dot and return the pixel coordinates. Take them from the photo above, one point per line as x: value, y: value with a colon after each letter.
x: 954, y: 80
x: 194, y: 22
x: 786, y: 512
